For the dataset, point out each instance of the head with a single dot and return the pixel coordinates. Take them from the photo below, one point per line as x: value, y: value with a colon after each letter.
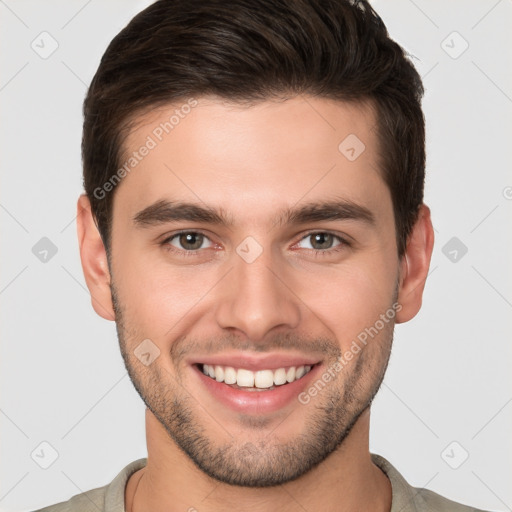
x: 254, y: 186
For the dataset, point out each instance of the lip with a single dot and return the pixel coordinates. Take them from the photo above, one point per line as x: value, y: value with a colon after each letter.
x: 255, y: 402
x: 255, y: 363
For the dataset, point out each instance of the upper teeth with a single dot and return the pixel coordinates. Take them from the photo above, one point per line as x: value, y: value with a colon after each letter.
x: 259, y: 379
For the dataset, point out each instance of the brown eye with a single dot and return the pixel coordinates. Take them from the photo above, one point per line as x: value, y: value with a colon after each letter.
x: 189, y: 241
x: 321, y: 241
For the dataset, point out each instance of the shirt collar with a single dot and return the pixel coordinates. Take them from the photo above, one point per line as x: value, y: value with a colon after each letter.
x: 403, y: 495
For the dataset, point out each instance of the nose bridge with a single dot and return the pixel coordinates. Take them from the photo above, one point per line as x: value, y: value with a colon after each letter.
x: 257, y: 298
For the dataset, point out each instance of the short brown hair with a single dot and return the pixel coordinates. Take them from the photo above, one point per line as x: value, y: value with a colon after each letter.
x: 255, y: 50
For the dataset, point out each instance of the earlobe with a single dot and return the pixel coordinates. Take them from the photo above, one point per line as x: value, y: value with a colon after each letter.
x: 94, y: 260
x: 414, y: 266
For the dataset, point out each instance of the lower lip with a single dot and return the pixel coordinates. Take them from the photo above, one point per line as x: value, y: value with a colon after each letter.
x: 257, y: 402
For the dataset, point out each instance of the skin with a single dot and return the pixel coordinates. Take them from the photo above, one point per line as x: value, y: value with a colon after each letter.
x: 247, y: 161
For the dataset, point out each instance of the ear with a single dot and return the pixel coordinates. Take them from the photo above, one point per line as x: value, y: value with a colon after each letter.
x: 414, y: 266
x: 94, y: 260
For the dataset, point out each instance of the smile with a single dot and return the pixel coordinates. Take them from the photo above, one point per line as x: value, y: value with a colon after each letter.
x: 241, y: 378
x: 259, y: 391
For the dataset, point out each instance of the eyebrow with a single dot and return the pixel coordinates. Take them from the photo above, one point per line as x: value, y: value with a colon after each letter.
x: 164, y: 211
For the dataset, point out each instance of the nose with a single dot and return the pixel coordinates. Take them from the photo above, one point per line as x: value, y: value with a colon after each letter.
x: 257, y: 297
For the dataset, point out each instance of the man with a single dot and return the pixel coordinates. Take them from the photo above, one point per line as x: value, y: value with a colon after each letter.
x: 254, y: 223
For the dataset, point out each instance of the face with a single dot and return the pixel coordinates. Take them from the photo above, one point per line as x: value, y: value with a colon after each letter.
x: 249, y: 244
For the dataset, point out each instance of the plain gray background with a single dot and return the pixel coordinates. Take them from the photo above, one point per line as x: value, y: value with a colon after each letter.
x: 447, y: 394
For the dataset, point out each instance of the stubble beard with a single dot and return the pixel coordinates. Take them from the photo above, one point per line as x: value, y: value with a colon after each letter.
x: 265, y: 461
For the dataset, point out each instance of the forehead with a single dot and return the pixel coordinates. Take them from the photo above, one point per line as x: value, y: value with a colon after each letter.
x: 243, y: 158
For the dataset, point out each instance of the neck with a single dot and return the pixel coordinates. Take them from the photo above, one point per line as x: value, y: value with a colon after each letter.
x: 347, y: 480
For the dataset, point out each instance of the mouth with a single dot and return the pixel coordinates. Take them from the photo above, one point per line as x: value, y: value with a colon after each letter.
x: 260, y: 380
x: 259, y: 391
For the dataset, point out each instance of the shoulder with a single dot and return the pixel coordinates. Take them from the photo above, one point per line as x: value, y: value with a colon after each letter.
x: 90, y: 501
x: 406, y: 498
x: 427, y: 500
x: 109, y: 498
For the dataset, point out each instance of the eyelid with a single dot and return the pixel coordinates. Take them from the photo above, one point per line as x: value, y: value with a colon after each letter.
x: 342, y: 236
x: 168, y: 238
x: 344, y: 240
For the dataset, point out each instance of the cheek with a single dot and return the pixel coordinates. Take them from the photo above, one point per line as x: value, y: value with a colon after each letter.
x: 157, y: 296
x: 351, y: 299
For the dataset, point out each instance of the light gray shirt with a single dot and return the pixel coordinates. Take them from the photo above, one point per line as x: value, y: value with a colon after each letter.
x: 405, y: 498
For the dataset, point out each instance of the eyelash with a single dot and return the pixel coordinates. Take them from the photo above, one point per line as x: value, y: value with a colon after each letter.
x: 316, y: 252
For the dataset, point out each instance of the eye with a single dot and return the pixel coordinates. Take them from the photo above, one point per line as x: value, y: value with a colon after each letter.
x: 323, y: 241
x: 189, y: 241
